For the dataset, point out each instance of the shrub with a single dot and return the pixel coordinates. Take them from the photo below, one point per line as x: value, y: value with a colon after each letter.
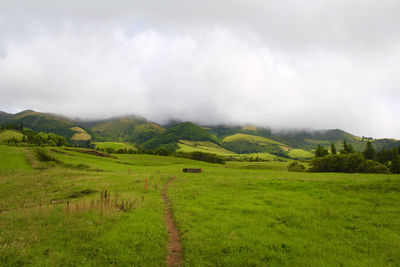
x: 296, y: 167
x: 43, y: 155
x: 348, y: 163
x: 207, y: 157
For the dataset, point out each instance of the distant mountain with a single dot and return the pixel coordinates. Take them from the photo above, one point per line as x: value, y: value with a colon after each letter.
x: 42, y: 122
x: 246, y: 143
x: 123, y: 129
x: 181, y: 131
x: 238, y: 139
x: 303, y: 139
x: 4, y: 115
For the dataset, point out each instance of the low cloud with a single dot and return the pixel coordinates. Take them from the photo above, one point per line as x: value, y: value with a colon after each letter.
x: 288, y: 65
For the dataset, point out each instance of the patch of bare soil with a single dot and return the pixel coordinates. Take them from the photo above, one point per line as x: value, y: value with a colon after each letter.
x: 174, y: 257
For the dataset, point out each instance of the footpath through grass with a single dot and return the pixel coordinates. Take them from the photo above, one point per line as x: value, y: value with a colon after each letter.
x: 238, y: 214
x: 39, y: 228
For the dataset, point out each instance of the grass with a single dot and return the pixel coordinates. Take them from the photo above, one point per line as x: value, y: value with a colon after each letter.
x: 273, y: 218
x: 203, y: 146
x: 10, y: 134
x: 80, y: 134
x: 238, y: 214
x: 113, y: 145
x: 253, y: 139
x: 209, y: 147
x: 300, y: 154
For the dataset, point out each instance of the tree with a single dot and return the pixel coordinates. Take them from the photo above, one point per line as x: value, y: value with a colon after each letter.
x: 321, y: 152
x: 347, y: 148
x: 333, y: 149
x: 370, y: 152
x: 395, y: 164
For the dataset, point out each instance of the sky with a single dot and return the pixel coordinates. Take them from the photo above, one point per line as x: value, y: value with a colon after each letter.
x: 282, y: 64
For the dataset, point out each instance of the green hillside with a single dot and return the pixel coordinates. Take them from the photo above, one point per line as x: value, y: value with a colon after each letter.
x: 245, y: 143
x: 237, y: 139
x: 300, y: 154
x: 42, y: 122
x: 124, y: 129
x: 307, y: 140
x: 80, y: 134
x: 181, y: 131
x: 113, y: 145
x: 10, y: 134
x: 78, y: 208
x: 4, y: 115
x: 202, y: 146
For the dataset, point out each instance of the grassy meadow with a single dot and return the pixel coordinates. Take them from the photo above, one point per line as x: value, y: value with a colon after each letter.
x: 53, y: 212
x: 10, y: 134
x: 113, y: 145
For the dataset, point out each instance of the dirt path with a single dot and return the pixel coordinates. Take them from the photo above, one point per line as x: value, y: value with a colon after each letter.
x: 174, y: 257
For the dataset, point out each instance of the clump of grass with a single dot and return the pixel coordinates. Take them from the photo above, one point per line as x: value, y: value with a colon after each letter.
x: 103, y: 203
x: 296, y: 167
x: 81, y: 193
x: 79, y: 166
x: 44, y: 156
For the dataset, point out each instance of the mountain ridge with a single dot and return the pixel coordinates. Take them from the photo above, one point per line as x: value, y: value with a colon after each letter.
x: 139, y: 130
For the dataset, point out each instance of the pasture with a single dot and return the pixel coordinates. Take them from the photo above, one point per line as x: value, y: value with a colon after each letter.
x: 10, y: 134
x: 239, y: 214
x: 112, y: 145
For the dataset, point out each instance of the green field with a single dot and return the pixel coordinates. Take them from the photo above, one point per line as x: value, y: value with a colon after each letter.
x: 80, y: 134
x: 250, y: 138
x: 300, y: 154
x: 113, y: 145
x: 202, y: 146
x: 10, y: 134
x: 238, y: 214
x: 209, y: 147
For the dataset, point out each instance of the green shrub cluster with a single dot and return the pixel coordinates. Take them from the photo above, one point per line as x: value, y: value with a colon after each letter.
x: 348, y: 163
x: 49, y: 139
x: 111, y: 150
x: 296, y: 167
x: 207, y: 157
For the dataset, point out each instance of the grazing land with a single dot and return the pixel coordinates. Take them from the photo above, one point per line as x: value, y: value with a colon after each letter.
x: 80, y: 134
x: 54, y: 212
x: 112, y: 145
x: 9, y: 135
x: 300, y: 154
x: 203, y: 146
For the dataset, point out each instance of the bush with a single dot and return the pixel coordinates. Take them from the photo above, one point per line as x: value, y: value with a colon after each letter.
x: 371, y: 166
x: 207, y: 157
x: 44, y: 156
x: 296, y: 167
x: 348, y: 163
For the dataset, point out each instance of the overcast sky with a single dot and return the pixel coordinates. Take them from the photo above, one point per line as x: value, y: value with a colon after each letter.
x: 285, y: 64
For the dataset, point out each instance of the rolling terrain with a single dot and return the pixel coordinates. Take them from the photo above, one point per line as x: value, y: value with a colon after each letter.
x: 76, y: 208
x: 229, y: 139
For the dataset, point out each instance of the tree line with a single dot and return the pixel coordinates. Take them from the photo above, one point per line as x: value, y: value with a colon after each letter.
x: 32, y: 138
x: 349, y: 161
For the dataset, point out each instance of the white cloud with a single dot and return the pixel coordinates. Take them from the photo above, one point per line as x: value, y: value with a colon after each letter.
x: 307, y: 64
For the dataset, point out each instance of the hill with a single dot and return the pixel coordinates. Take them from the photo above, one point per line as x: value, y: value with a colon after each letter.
x: 42, y: 122
x: 123, y: 129
x: 238, y: 139
x: 4, y: 115
x: 245, y: 143
x: 80, y: 134
x: 306, y: 140
x: 10, y: 134
x: 203, y: 146
x: 181, y: 131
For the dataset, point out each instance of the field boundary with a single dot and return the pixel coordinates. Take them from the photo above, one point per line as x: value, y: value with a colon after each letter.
x: 174, y: 257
